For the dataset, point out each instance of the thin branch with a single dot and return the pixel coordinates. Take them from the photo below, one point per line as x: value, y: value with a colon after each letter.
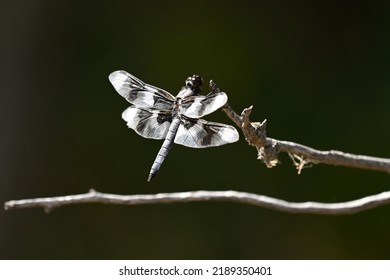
x: 269, y: 148
x: 341, y: 208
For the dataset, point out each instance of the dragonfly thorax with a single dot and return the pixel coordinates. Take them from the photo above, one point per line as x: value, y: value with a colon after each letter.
x: 184, y: 93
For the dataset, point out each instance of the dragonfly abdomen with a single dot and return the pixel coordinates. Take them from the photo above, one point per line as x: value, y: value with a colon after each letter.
x: 166, y: 146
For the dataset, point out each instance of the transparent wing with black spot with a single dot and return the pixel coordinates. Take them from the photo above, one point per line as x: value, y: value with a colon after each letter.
x: 139, y: 93
x: 152, y: 124
x: 202, y: 134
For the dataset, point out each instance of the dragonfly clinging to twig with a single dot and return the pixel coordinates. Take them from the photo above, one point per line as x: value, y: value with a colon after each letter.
x: 157, y: 114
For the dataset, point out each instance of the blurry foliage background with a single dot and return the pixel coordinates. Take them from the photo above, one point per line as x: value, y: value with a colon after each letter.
x: 317, y: 70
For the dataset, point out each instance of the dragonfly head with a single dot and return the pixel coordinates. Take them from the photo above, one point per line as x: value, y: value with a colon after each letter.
x: 194, y: 83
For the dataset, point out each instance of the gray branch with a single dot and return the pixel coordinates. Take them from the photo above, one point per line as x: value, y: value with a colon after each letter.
x: 341, y: 208
x: 269, y: 148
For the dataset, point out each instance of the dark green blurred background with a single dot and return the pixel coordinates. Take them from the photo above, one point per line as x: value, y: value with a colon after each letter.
x: 317, y: 70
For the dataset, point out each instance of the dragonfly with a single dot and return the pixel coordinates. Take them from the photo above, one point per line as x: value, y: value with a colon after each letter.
x: 157, y: 114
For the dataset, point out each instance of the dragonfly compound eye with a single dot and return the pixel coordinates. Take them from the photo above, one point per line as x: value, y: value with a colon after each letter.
x: 194, y: 82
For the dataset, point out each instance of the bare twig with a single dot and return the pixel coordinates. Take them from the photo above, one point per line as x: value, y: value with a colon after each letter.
x: 341, y: 208
x: 269, y: 148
